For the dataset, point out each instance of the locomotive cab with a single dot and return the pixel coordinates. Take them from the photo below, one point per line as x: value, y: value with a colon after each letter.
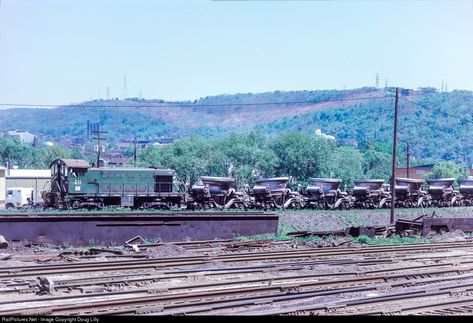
x: 66, y: 176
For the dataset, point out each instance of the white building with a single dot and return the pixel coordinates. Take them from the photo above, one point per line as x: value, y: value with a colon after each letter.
x: 24, y: 136
x: 2, y: 186
x: 38, y: 179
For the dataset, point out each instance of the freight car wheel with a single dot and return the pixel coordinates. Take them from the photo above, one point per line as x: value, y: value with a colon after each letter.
x: 75, y: 205
x: 296, y: 205
x: 457, y: 202
x: 424, y: 203
x: 344, y: 206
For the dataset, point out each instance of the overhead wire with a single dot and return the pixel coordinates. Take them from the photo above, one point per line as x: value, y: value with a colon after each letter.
x: 165, y: 105
x: 437, y: 110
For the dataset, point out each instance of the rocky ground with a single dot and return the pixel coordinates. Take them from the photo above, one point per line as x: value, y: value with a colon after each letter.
x: 290, y: 221
x: 324, y: 220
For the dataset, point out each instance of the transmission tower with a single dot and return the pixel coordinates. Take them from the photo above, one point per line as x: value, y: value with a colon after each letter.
x: 108, y: 93
x: 385, y: 83
x: 377, y: 80
x: 124, y: 88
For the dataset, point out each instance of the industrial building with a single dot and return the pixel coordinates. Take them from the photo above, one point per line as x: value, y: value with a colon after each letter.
x: 2, y: 186
x: 37, y: 179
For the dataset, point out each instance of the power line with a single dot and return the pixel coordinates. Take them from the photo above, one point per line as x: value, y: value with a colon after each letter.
x: 168, y: 105
x: 437, y: 110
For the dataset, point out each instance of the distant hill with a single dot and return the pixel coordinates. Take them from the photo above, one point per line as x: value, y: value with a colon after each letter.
x: 352, y: 116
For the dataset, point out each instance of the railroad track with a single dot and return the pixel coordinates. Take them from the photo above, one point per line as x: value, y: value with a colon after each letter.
x: 184, y: 299
x: 34, y: 270
x: 273, y: 283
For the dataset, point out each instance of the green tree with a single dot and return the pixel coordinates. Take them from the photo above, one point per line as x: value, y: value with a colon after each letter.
x: 347, y: 165
x: 376, y: 164
x: 48, y: 154
x: 189, y: 157
x: 302, y: 155
x: 448, y: 169
x: 16, y: 153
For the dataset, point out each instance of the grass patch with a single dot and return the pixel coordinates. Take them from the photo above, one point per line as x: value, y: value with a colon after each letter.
x: 396, y: 240
x: 281, y: 234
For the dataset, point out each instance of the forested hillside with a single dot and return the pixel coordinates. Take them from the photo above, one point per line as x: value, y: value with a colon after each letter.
x: 354, y: 117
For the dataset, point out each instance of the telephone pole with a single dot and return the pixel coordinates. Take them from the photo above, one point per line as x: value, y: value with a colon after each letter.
x: 134, y: 152
x: 408, y: 156
x: 393, y: 176
x: 99, y: 138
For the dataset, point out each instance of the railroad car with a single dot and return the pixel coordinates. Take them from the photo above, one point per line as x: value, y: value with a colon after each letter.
x: 216, y: 192
x: 323, y: 193
x: 409, y: 192
x: 369, y: 193
x: 465, y: 196
x: 270, y: 193
x: 75, y: 184
x: 441, y: 192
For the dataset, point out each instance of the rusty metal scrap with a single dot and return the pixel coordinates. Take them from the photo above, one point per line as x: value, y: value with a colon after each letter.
x: 105, y: 229
x: 3, y: 242
x: 349, y: 231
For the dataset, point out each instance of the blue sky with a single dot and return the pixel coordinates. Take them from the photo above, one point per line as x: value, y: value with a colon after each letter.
x: 63, y: 51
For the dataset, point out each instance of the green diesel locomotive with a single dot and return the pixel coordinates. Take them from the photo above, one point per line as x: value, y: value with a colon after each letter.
x: 77, y: 185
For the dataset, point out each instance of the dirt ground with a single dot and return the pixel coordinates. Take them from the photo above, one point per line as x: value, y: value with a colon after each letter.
x: 325, y: 220
x: 290, y: 221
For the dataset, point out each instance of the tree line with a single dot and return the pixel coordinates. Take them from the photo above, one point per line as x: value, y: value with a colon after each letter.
x: 247, y: 157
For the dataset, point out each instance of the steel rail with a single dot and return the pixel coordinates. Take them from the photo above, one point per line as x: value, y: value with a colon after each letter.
x: 26, y: 271
x: 249, y: 296
x: 376, y: 281
x: 269, y: 254
x: 353, y: 307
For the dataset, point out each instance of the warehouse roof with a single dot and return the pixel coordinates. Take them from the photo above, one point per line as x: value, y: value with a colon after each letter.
x: 29, y: 173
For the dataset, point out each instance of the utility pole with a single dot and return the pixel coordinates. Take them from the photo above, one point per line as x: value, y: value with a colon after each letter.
x: 407, y: 158
x: 98, y: 146
x: 35, y: 144
x: 134, y: 152
x: 393, y: 177
x: 99, y: 139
